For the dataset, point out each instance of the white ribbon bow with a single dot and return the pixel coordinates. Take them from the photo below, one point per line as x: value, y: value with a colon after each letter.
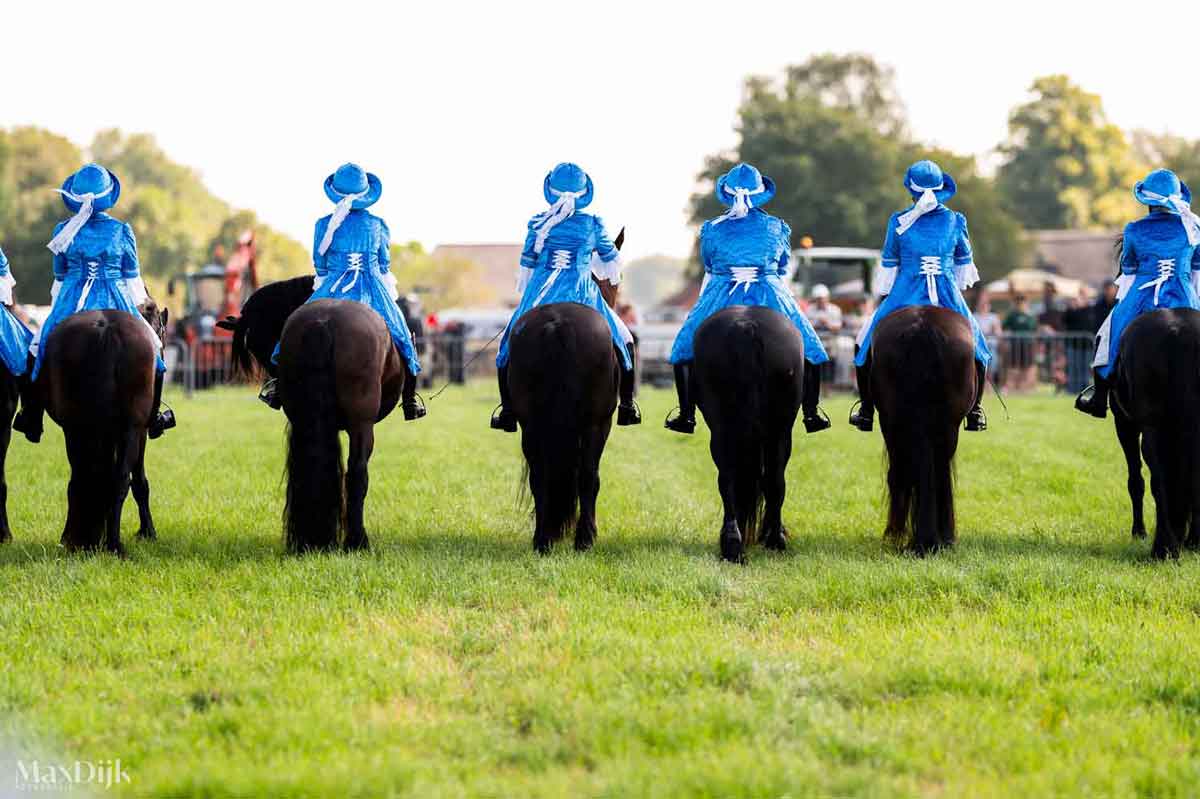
x: 925, y: 203
x: 340, y: 212
x: 1191, y: 222
x: 741, y: 202
x: 563, y: 207
x: 62, y: 241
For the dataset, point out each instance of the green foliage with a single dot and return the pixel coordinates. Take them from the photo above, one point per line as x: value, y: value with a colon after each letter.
x: 443, y: 282
x: 1066, y: 165
x: 832, y: 134
x: 1163, y: 150
x: 176, y: 219
x: 1044, y: 656
x: 648, y: 281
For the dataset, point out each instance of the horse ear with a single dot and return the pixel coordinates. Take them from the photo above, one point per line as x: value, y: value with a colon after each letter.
x: 620, y: 239
x: 228, y: 323
x: 163, y: 317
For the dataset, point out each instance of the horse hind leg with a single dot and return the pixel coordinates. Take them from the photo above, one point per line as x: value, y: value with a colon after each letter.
x: 589, y: 486
x: 1165, y: 543
x: 1128, y: 436
x: 362, y: 444
x: 124, y: 449
x: 141, y: 494
x: 776, y: 455
x: 733, y: 545
x: 86, y: 484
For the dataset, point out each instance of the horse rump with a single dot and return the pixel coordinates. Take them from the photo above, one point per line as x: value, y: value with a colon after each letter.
x: 923, y: 381
x: 1157, y: 383
x: 749, y: 372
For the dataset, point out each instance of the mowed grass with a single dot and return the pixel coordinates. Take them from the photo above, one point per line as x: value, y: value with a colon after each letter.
x: 1045, y: 655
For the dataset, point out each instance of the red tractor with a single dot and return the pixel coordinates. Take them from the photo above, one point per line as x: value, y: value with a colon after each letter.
x: 210, y: 293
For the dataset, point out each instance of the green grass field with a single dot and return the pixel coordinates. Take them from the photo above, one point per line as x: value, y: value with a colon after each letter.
x: 1045, y: 655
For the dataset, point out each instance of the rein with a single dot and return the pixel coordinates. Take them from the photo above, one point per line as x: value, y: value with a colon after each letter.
x: 472, y: 360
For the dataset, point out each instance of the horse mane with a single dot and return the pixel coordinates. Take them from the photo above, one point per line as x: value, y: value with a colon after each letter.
x: 257, y: 330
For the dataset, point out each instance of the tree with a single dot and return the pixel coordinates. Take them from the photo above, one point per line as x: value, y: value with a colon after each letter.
x: 832, y: 134
x: 33, y: 162
x: 1180, y: 155
x: 1066, y: 165
x: 444, y: 282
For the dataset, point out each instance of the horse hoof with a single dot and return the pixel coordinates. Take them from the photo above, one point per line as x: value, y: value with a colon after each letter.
x: 541, y: 547
x: 148, y: 534
x: 733, y: 550
x: 359, y: 545
x: 1138, y: 532
x: 584, y: 544
x: 776, y: 542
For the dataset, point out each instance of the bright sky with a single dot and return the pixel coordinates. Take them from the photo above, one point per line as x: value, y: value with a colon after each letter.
x: 462, y: 108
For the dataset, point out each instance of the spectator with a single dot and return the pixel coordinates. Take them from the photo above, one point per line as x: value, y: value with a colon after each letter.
x: 988, y: 321
x: 1051, y: 317
x: 854, y: 321
x: 1104, y: 305
x: 824, y: 315
x: 1020, y: 325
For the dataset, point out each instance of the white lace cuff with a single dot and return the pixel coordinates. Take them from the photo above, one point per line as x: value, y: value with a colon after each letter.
x: 389, y: 280
x: 968, y: 275
x: 317, y: 281
x: 1124, y: 284
x: 57, y: 287
x: 137, y: 290
x: 607, y: 270
x: 704, y: 282
x: 6, y: 289
x: 523, y: 276
x: 885, y: 278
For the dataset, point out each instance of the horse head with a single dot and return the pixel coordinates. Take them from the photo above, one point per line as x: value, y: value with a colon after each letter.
x: 256, y: 331
x: 155, y: 317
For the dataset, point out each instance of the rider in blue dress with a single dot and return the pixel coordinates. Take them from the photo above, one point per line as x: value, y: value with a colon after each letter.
x: 927, y: 260
x: 15, y: 338
x: 1159, y: 257
x: 557, y: 264
x: 95, y: 268
x: 352, y: 257
x: 745, y: 253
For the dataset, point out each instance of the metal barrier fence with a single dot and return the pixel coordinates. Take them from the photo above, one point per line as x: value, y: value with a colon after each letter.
x: 1020, y: 361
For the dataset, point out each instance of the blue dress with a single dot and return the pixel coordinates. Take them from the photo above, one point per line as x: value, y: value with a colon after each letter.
x: 745, y: 263
x: 1156, y: 272
x: 929, y: 264
x: 95, y: 272
x: 562, y: 272
x: 15, y: 338
x: 357, y: 267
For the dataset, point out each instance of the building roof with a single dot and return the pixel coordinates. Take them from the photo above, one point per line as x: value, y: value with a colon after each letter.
x: 1085, y: 255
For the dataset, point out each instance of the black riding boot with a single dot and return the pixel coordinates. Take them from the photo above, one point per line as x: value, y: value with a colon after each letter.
x: 815, y: 419
x: 412, y: 405
x: 685, y: 420
x: 864, y: 417
x: 628, y: 412
x: 503, y: 418
x: 29, y: 418
x: 1095, y: 403
x: 269, y: 393
x: 160, y: 420
x: 976, y: 418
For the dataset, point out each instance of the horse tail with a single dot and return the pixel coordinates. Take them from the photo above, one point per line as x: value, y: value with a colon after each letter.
x: 920, y: 471
x: 92, y: 448
x: 243, y: 360
x: 557, y: 429
x: 314, y: 513
x: 743, y: 408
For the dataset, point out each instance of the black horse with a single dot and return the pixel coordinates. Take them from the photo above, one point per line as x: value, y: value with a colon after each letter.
x: 9, y: 393
x: 337, y: 370
x: 1156, y: 387
x: 923, y: 380
x: 563, y: 374
x: 98, y: 382
x: 748, y: 382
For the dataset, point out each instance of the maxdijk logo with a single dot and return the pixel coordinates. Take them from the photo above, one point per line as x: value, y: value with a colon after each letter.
x: 37, y: 775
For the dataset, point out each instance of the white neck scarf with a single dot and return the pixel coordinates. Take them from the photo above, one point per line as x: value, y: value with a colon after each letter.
x: 741, y: 202
x: 563, y: 208
x: 924, y: 204
x: 62, y: 241
x: 339, y: 216
x: 1191, y: 222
